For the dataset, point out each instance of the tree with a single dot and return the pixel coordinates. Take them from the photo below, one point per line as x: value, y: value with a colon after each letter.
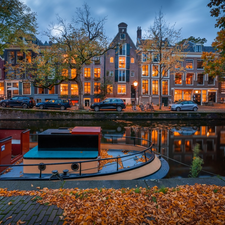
x: 214, y: 63
x: 161, y: 47
x: 16, y: 21
x: 195, y: 40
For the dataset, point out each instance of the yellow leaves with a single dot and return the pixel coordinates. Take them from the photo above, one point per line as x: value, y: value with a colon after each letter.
x: 9, y: 203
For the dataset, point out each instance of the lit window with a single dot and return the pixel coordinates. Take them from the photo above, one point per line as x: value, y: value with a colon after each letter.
x: 65, y: 73
x: 164, y: 137
x: 187, y: 146
x: 132, y: 60
x: 52, y: 90
x: 87, y: 87
x: 189, y: 64
x: 122, y: 62
x: 26, y: 88
x: 97, y: 72
x: 122, y: 76
x: 178, y: 78
x: 97, y: 88
x: 178, y: 65
x: 1, y: 88
x: 154, y: 137
x: 165, y: 73
x: 165, y: 87
x: 73, y: 73
x: 223, y: 86
x: 109, y: 89
x: 189, y: 78
x: 145, y: 87
x: 40, y: 90
x: 28, y: 56
x: 121, y: 89
x: 222, y: 137
x: 155, y: 87
x: 177, y: 95
x: 74, y: 89
x: 200, y: 79
x: 96, y: 100
x: 16, y: 85
x: 177, y: 146
x: 63, y: 89
x: 87, y: 72
x: 145, y: 70
x: 19, y: 56
x: 204, y: 96
x: 155, y: 70
x: 187, y: 95
x: 111, y: 60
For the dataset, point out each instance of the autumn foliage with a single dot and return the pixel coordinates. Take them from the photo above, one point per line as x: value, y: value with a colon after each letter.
x: 198, y: 204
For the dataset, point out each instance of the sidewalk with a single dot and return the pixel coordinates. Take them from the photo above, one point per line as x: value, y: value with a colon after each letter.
x: 24, y: 210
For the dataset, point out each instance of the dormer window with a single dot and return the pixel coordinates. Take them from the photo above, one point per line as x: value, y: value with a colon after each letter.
x: 122, y: 36
x: 198, y: 48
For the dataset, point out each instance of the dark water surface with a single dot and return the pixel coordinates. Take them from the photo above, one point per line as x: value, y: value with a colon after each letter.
x: 173, y: 139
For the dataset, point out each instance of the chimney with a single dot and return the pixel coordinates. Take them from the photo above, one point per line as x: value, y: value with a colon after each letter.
x: 138, y: 33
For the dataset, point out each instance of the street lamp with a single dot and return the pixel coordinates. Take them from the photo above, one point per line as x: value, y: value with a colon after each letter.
x: 135, y: 85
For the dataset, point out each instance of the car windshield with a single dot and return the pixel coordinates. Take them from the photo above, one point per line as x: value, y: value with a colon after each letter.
x: 178, y: 102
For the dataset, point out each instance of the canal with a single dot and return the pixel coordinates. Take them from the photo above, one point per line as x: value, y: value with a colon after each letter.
x: 173, y: 139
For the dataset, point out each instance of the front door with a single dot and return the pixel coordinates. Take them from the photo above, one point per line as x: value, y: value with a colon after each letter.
x: 212, y: 96
x: 165, y: 101
x: 197, y: 98
x: 86, y: 102
x: 9, y: 95
x: 133, y: 91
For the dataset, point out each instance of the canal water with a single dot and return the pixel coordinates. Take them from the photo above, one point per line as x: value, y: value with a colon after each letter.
x: 173, y: 139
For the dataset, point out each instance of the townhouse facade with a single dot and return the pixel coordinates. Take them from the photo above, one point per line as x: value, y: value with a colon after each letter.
x: 126, y: 74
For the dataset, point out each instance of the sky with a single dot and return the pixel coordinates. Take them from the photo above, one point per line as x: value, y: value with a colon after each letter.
x: 192, y: 16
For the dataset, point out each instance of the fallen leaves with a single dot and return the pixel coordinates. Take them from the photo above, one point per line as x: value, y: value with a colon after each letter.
x: 197, y: 204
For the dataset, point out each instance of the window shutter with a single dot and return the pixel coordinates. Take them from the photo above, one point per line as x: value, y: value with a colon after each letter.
x: 128, y: 49
x: 127, y: 75
x: 20, y: 88
x: 116, y: 62
x: 116, y: 75
x: 56, y: 89
x: 128, y: 62
x: 35, y: 90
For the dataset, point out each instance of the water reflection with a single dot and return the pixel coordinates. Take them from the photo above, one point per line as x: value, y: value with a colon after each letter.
x: 174, y: 139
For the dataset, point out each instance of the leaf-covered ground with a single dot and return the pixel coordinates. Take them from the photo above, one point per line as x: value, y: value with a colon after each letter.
x: 198, y: 204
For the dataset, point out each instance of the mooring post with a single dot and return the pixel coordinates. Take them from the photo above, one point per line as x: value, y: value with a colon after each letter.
x: 117, y: 163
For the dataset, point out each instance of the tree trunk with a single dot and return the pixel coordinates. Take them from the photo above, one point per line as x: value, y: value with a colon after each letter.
x: 80, y: 89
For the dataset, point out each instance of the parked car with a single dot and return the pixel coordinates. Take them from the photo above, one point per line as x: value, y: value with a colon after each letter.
x: 184, y: 105
x: 109, y: 103
x: 54, y: 104
x: 19, y: 101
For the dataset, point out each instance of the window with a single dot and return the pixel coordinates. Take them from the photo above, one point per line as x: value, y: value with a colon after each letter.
x: 187, y: 95
x: 189, y: 64
x: 97, y: 61
x: 122, y: 49
x: 144, y: 57
x: 111, y: 73
x: 155, y: 57
x: 211, y: 80
x: 164, y: 137
x: 177, y: 95
x: 96, y: 100
x: 164, y: 73
x: 122, y: 36
x: 28, y: 56
x: 145, y: 70
x: 165, y: 87
x: 73, y: 73
x: 74, y: 89
x: 109, y: 89
x: 204, y: 96
x: 177, y: 146
x: 26, y: 88
x: 200, y: 78
x: 63, y: 89
x: 155, y: 87
x: 198, y: 48
x: 65, y: 73
x: 1, y: 75
x: 87, y: 88
x: 40, y: 90
x: 199, y: 64
x: 16, y: 85
x: 188, y: 146
x: 131, y: 60
x: 111, y: 60
x: 19, y: 56
x: 97, y: 88
x: 52, y: 91
x: 132, y: 73
x: 222, y: 137
x: 178, y: 78
x: 145, y: 87
x: 178, y: 65
x: 189, y: 78
x: 97, y: 72
x: 155, y: 70
x: 87, y: 72
x: 223, y: 86
x: 154, y: 136
x: 122, y: 62
x: 122, y: 76
x: 11, y: 57
x: 121, y: 89
x: 1, y: 88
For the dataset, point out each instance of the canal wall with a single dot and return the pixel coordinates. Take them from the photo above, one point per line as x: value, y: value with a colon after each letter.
x: 30, y: 114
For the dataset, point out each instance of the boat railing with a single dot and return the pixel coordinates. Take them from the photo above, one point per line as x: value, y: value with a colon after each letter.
x: 76, y: 166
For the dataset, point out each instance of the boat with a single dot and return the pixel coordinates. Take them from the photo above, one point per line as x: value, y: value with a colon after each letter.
x: 82, y: 153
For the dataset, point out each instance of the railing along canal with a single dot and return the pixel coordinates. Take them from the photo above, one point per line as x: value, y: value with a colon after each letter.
x: 77, y: 166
